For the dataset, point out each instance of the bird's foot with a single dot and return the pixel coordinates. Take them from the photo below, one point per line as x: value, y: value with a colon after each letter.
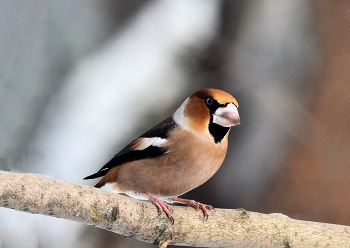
x: 161, y: 205
x: 196, y: 205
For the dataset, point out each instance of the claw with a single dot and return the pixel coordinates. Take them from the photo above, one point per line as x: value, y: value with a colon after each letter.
x: 161, y: 205
x: 196, y: 205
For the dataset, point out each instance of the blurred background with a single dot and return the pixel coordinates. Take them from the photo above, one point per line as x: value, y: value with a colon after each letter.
x: 79, y: 79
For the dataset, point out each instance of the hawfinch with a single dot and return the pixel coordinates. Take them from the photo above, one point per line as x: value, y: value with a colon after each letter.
x: 177, y: 155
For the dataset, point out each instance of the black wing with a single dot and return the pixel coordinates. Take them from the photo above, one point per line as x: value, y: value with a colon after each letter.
x: 127, y: 154
x: 161, y: 130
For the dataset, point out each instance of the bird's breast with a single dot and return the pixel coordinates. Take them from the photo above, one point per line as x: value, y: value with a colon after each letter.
x: 189, y: 162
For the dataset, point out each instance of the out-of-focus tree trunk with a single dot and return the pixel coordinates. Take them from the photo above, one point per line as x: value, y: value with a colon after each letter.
x: 314, y: 182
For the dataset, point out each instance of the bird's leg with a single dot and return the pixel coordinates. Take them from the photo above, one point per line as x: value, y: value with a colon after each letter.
x: 161, y: 205
x: 194, y: 204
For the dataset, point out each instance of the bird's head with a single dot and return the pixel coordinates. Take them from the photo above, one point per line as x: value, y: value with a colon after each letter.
x: 209, y: 111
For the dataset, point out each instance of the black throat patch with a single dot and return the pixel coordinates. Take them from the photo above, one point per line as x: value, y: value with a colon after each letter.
x: 218, y: 132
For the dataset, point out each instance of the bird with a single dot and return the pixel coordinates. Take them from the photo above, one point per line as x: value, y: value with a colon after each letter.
x: 177, y: 155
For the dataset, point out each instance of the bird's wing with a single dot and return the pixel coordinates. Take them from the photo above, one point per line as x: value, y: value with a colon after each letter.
x: 150, y: 144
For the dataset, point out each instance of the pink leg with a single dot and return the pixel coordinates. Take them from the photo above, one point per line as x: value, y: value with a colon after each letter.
x: 196, y: 205
x: 161, y: 205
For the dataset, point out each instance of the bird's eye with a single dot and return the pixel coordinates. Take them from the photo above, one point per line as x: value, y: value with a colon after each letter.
x: 209, y: 101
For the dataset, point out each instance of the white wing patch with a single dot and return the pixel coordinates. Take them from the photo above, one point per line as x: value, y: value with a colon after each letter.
x: 143, y: 143
x: 146, y: 142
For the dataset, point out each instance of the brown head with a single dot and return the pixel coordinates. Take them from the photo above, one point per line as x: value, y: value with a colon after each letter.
x: 209, y: 111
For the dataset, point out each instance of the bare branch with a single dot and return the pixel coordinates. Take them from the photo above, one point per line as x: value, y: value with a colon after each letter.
x: 129, y: 217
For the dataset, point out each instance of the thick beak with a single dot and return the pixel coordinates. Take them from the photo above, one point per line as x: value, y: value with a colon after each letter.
x: 227, y: 116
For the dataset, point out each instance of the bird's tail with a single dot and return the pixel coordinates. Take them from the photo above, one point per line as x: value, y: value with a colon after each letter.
x: 100, y: 184
x: 96, y: 175
x: 110, y: 177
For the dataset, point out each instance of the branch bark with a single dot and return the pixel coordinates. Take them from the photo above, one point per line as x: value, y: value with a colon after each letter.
x: 35, y: 194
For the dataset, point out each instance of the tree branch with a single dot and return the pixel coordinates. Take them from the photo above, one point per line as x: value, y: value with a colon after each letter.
x: 138, y: 219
